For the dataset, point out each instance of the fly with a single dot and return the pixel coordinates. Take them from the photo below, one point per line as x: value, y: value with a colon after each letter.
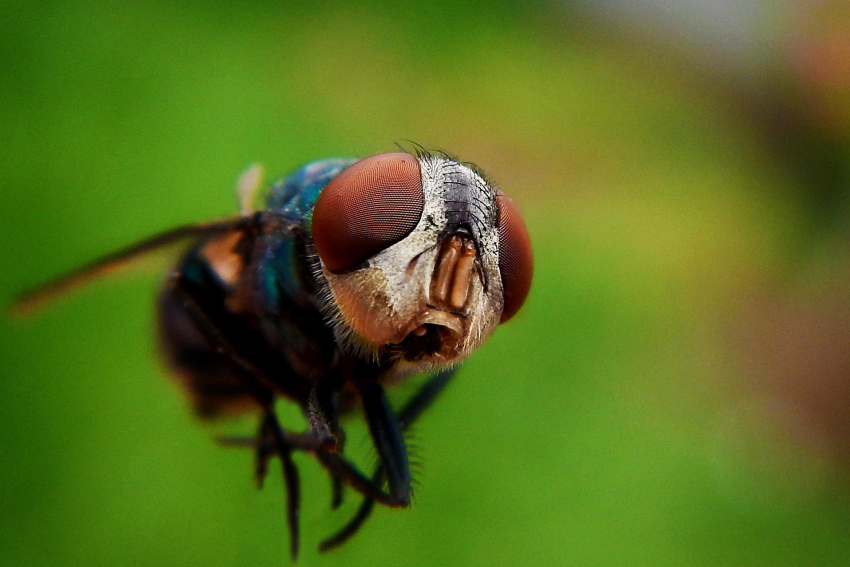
x: 354, y: 274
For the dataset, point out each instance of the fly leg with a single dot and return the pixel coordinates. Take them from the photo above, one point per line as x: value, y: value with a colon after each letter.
x: 212, y: 320
x: 386, y: 434
x: 323, y: 412
x: 322, y: 415
x: 290, y: 477
x: 337, y: 489
x: 411, y: 411
x: 386, y: 430
x: 341, y: 470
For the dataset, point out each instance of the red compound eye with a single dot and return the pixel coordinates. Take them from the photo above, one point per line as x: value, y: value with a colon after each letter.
x: 516, y: 262
x: 368, y: 207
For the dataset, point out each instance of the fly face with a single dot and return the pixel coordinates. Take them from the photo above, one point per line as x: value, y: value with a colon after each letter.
x: 422, y: 258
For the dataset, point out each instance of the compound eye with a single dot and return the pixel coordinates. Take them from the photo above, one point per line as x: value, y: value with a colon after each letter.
x: 516, y: 263
x: 368, y: 207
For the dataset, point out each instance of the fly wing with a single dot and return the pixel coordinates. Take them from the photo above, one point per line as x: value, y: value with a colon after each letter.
x: 32, y: 299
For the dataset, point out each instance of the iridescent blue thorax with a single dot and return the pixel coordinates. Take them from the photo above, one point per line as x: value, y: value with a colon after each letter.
x: 283, y: 267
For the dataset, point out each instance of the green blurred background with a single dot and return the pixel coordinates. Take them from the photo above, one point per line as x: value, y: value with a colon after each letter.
x: 677, y: 390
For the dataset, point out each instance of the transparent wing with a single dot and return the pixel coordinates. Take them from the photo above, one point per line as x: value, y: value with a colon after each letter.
x: 37, y: 297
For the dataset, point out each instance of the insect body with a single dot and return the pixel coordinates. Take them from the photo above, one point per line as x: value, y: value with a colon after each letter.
x: 354, y: 275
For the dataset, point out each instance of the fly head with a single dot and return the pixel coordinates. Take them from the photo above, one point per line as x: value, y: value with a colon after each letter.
x: 421, y: 258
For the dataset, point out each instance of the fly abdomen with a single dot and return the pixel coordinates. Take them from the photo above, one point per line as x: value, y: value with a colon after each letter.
x: 208, y: 376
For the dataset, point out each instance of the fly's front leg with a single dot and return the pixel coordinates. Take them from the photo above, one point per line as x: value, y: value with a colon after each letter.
x: 323, y: 412
x: 323, y: 417
x: 386, y: 434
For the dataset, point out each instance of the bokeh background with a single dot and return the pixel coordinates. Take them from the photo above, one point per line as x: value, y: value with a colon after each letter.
x: 677, y: 390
